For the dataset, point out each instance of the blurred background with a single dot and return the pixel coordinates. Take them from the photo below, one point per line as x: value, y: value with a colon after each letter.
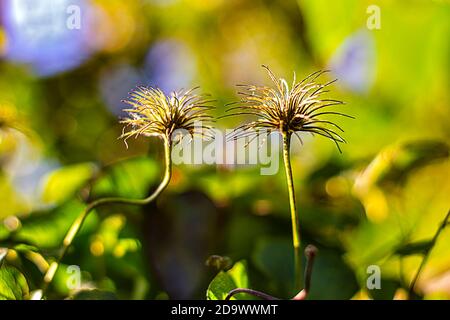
x: 65, y: 66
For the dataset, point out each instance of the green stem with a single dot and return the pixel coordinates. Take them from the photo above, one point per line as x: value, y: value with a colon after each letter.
x: 77, y: 224
x: 441, y: 228
x: 294, y: 216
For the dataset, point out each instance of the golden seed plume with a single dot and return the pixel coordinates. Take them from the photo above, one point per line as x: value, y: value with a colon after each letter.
x: 154, y: 113
x: 298, y: 109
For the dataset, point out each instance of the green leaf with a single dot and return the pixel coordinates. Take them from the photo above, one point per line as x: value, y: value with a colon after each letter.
x: 224, y: 282
x: 47, y: 229
x: 415, y: 248
x: 131, y: 178
x: 275, y: 259
x: 332, y: 278
x: 220, y: 286
x: 396, y: 162
x: 13, y: 285
x: 11, y: 202
x: 94, y: 294
x: 239, y: 274
x: 63, y: 183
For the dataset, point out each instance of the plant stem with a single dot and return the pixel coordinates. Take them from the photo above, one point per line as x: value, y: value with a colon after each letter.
x: 310, y: 253
x: 252, y: 292
x: 294, y: 216
x: 427, y: 253
x: 77, y: 224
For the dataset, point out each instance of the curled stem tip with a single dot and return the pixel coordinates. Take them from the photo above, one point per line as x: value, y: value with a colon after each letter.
x: 310, y: 254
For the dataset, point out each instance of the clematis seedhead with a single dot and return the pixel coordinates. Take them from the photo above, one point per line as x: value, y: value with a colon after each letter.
x: 153, y: 113
x: 300, y: 108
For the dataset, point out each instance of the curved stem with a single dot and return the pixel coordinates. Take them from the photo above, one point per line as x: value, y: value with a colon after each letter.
x: 252, y: 292
x: 77, y: 224
x: 294, y: 216
x: 426, y: 256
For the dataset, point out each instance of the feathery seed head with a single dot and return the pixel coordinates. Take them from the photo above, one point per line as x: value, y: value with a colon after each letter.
x: 154, y: 113
x: 300, y: 108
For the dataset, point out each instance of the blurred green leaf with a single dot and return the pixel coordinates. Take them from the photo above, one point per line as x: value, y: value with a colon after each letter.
x: 219, y: 288
x: 332, y: 278
x: 224, y: 282
x: 414, y: 211
x: 239, y: 274
x: 413, y: 155
x: 47, y: 229
x: 396, y: 162
x: 13, y: 285
x: 131, y: 178
x: 274, y: 257
x: 62, y: 183
x: 220, y: 186
x: 11, y: 202
x: 242, y: 229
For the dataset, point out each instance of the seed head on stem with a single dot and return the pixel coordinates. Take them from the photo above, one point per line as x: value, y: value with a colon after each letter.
x: 301, y: 108
x: 153, y: 113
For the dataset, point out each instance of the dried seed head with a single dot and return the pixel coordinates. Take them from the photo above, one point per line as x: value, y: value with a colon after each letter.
x: 154, y: 113
x: 298, y: 109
